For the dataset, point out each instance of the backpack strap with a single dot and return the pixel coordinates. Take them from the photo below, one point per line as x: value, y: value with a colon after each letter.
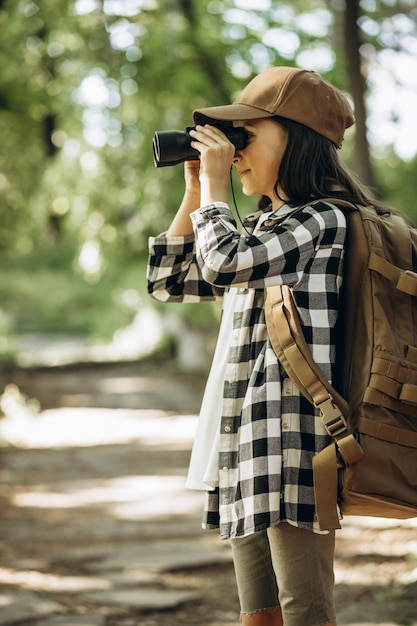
x: 405, y: 280
x: 291, y: 348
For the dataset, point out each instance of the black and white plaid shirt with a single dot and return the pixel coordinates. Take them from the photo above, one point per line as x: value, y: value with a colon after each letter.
x: 269, y: 432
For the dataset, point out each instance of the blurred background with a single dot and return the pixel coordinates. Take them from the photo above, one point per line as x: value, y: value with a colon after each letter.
x: 100, y: 386
x: 84, y: 84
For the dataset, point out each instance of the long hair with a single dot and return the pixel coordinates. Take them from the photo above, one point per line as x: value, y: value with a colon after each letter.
x: 311, y: 168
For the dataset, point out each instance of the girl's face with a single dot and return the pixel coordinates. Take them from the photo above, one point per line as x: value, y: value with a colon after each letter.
x: 258, y: 164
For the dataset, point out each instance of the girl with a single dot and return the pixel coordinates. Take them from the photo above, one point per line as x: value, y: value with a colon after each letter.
x: 257, y: 435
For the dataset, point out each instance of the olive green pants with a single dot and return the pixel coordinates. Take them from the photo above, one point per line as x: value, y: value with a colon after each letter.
x: 289, y: 567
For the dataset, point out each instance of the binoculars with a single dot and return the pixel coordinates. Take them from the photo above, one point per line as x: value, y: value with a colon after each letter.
x: 174, y: 146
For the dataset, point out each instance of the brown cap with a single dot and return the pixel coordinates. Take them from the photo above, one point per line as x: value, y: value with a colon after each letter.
x: 299, y: 95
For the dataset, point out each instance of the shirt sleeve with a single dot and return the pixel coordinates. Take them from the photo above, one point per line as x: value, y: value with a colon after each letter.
x: 279, y: 255
x: 173, y: 274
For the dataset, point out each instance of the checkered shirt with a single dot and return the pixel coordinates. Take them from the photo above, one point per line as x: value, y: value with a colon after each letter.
x: 269, y: 431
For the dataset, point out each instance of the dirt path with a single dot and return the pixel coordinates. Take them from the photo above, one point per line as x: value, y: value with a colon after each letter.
x: 97, y: 528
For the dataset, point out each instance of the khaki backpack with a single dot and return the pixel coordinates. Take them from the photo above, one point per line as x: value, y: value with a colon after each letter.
x: 371, y: 411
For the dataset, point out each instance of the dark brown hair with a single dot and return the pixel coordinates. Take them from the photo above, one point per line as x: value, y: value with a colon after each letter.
x: 311, y: 168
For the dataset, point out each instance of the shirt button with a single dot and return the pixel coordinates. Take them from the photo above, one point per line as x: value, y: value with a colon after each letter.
x: 225, y: 469
x: 227, y: 429
x: 285, y: 426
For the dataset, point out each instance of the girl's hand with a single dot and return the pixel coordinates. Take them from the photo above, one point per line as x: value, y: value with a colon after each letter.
x: 181, y: 224
x: 216, y: 157
x: 191, y: 176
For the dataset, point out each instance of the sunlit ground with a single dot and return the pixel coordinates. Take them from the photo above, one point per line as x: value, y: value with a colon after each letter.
x: 68, y: 427
x: 372, y: 553
x: 29, y: 579
x: 127, y: 497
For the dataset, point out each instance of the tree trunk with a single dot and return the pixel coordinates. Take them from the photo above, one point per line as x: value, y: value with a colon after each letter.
x: 358, y: 89
x: 213, y: 66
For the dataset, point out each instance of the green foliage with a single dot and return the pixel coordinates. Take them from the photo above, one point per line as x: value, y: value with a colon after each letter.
x: 84, y: 85
x: 398, y: 183
x: 57, y: 298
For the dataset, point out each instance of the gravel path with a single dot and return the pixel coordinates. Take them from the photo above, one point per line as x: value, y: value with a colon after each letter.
x: 97, y: 528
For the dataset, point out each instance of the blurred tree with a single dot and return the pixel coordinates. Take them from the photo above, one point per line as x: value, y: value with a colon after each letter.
x: 371, y: 29
x: 358, y: 89
x: 84, y: 84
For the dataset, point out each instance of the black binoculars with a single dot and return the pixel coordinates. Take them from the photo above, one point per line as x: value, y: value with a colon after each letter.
x: 174, y: 146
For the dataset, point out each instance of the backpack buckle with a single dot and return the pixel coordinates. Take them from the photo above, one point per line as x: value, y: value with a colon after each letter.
x: 332, y: 418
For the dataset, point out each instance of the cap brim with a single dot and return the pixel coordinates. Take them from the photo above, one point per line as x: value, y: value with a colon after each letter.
x: 229, y: 113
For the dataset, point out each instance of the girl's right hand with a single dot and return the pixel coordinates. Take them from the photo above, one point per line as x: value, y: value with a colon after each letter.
x: 181, y: 224
x: 191, y: 176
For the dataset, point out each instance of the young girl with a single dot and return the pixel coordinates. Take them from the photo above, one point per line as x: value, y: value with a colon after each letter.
x: 257, y: 435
